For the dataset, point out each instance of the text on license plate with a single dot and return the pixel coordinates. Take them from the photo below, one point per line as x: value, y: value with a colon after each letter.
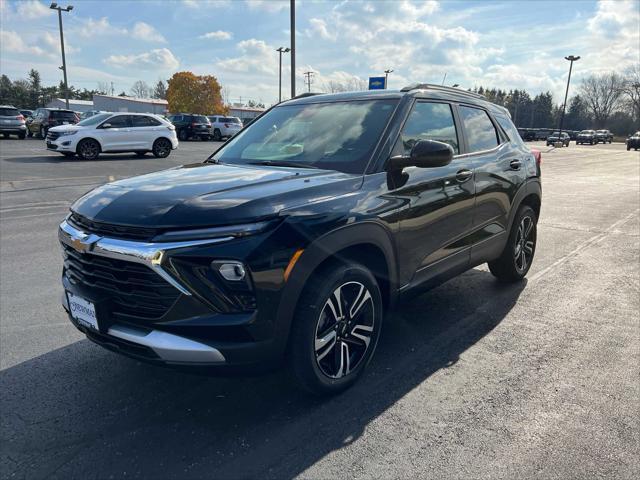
x: 83, y: 311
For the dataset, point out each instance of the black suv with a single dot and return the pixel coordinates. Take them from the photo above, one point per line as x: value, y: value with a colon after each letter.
x: 191, y: 126
x: 296, y: 236
x: 45, y: 118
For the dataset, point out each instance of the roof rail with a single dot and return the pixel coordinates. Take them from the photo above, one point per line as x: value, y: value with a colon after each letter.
x: 431, y: 86
x: 307, y: 94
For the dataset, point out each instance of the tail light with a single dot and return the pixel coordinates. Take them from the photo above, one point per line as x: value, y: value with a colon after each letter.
x: 20, y: 117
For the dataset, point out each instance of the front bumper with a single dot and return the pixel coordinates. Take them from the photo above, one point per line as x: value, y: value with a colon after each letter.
x: 187, y: 333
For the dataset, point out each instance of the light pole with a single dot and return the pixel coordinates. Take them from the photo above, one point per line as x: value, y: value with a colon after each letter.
x: 571, y: 59
x: 293, y: 48
x: 54, y: 6
x: 281, y: 50
x: 386, y: 76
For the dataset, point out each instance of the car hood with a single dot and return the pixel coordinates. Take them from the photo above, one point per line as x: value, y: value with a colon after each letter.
x: 210, y: 195
x: 66, y: 128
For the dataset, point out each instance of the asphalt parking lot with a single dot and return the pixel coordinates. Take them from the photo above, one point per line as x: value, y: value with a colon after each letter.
x: 471, y: 380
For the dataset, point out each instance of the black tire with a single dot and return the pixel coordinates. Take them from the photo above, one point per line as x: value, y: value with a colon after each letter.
x: 517, y: 256
x: 628, y: 148
x: 217, y: 135
x: 183, y: 136
x: 319, y: 367
x: 22, y: 135
x: 140, y: 154
x: 29, y: 133
x: 43, y: 132
x: 161, y: 148
x: 5, y: 135
x: 88, y: 149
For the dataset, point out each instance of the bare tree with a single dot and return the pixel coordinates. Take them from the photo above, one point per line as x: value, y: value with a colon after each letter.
x: 141, y: 89
x: 104, y: 87
x: 631, y: 89
x: 352, y: 85
x: 602, y: 94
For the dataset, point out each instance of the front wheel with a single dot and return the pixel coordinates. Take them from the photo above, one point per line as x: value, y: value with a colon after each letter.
x: 335, y: 329
x: 183, y: 135
x: 88, y: 149
x: 517, y: 256
x: 161, y: 148
x: 217, y: 135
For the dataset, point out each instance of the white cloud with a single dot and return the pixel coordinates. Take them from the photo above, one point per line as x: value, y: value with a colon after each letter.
x: 12, y: 42
x: 270, y: 6
x: 218, y: 35
x: 256, y: 57
x: 158, y: 59
x: 91, y: 28
x: 419, y: 9
x: 32, y: 9
x: 144, y: 31
x: 319, y: 29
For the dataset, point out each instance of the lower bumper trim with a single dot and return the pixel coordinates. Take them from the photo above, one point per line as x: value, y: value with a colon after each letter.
x: 169, y: 347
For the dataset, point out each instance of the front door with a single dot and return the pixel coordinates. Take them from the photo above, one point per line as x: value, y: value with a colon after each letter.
x: 115, y: 134
x: 437, y: 203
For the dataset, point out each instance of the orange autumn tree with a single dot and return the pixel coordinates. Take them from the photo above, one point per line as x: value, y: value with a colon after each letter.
x: 191, y: 93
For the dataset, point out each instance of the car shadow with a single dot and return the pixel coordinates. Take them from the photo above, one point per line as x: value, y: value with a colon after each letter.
x: 83, y: 412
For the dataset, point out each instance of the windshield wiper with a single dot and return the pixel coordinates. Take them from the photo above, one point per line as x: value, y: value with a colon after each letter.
x: 283, y: 163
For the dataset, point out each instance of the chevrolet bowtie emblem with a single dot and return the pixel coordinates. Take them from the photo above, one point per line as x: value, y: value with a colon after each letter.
x: 85, y: 243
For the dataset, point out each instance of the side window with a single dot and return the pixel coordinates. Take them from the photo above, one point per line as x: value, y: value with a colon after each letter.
x: 481, y: 134
x: 119, y: 121
x: 428, y: 121
x: 144, y: 121
x: 510, y: 129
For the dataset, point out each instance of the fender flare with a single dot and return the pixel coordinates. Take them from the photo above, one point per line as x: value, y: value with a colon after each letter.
x: 323, y: 248
x: 530, y: 187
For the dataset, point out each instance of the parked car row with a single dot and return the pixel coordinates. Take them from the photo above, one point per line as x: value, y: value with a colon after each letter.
x: 214, y: 127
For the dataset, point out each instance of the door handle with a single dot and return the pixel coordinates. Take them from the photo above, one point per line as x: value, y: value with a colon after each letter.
x: 463, y: 175
x: 515, y: 164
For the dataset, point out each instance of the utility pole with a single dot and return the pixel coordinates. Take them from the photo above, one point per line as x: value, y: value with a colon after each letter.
x: 386, y: 76
x: 444, y: 78
x: 112, y: 90
x: 54, y: 6
x: 309, y: 75
x: 571, y: 59
x: 281, y: 50
x: 292, y: 26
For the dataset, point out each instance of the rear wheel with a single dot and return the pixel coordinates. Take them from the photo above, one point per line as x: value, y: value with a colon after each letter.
x: 517, y: 256
x: 29, y: 134
x: 5, y: 135
x: 22, y: 135
x: 161, y: 148
x: 43, y: 132
x: 217, y: 135
x: 335, y: 329
x: 183, y: 136
x: 88, y: 149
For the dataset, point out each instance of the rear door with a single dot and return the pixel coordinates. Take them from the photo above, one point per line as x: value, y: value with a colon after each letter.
x: 437, y: 211
x: 500, y: 163
x: 144, y: 131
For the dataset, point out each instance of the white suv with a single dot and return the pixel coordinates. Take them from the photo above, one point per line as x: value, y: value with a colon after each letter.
x: 114, y: 133
x: 224, y: 126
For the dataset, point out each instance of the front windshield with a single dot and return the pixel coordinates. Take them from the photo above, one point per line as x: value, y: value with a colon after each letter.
x: 333, y: 136
x: 94, y: 120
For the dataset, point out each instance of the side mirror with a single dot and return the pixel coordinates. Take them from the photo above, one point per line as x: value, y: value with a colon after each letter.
x: 424, y: 154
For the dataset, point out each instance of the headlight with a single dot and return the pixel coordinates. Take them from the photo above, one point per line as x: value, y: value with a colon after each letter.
x: 217, y: 232
x: 64, y: 134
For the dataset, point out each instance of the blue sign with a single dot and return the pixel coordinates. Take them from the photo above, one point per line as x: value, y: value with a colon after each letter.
x: 376, y: 83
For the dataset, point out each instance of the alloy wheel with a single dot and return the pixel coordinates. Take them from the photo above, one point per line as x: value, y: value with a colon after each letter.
x: 89, y: 150
x: 523, y: 251
x: 344, y: 330
x: 162, y: 148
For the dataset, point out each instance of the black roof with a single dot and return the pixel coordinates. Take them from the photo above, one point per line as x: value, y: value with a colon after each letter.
x: 417, y: 90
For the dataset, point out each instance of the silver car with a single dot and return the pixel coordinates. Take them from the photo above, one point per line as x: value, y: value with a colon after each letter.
x: 12, y: 122
x: 224, y: 127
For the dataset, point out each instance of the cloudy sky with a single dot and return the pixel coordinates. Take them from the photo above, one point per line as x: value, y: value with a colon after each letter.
x: 510, y: 44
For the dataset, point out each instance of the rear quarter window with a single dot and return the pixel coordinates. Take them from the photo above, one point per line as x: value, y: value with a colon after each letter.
x: 509, y: 128
x: 481, y: 134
